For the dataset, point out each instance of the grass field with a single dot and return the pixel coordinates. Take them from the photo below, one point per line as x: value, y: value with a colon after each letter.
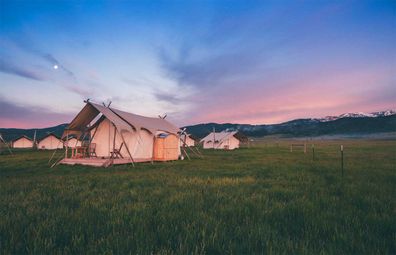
x: 255, y: 200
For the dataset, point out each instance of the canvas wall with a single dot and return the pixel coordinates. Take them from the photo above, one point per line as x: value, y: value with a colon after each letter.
x: 140, y: 142
x: 22, y: 143
x: 50, y: 143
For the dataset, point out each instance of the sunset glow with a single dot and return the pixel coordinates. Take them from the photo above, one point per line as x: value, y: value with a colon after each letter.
x: 197, y: 61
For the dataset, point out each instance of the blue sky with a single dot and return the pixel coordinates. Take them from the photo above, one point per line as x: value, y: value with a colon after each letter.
x: 197, y: 61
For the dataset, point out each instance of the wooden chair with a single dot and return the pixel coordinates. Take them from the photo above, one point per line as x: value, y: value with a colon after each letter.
x: 92, y: 150
x: 117, y: 152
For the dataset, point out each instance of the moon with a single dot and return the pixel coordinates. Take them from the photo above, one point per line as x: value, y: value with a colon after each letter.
x: 56, y: 67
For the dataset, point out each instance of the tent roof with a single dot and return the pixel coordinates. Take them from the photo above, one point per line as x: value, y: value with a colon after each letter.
x: 189, y: 136
x: 22, y: 136
x: 73, y: 136
x: 122, y: 120
x: 47, y: 135
x: 221, y: 136
x: 151, y: 124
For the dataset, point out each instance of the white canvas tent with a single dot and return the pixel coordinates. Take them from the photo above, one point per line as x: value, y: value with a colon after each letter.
x: 22, y: 142
x: 186, y: 140
x: 72, y: 143
x: 118, y: 137
x: 222, y: 140
x: 50, y: 142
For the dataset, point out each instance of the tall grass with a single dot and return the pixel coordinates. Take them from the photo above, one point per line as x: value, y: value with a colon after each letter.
x: 255, y: 200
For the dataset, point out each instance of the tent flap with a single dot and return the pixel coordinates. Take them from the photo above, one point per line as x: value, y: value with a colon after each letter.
x: 116, y: 120
x: 83, y: 118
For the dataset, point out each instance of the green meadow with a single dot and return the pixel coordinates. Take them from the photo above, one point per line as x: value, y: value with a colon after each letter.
x: 258, y: 200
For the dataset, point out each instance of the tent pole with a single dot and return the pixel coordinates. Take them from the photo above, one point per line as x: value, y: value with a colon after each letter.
x: 152, y: 156
x: 75, y: 145
x: 109, y: 139
x: 114, y: 138
x: 8, y: 147
x: 89, y: 145
x: 56, y: 162
x: 200, y: 156
x: 67, y: 142
x: 214, y: 138
x: 185, y: 152
x: 198, y: 153
x: 184, y: 145
x: 53, y: 154
x: 126, y: 146
x: 90, y: 140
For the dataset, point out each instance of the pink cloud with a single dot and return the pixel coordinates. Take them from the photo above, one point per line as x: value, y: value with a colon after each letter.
x: 309, y: 96
x: 17, y: 116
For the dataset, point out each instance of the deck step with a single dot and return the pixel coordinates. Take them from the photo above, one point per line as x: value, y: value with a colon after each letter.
x: 107, y: 163
x: 99, y: 162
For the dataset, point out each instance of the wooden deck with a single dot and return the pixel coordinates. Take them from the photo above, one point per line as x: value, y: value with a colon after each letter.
x: 99, y: 162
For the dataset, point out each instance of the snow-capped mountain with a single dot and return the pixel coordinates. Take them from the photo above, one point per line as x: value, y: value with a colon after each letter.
x: 384, y: 113
x: 358, y: 115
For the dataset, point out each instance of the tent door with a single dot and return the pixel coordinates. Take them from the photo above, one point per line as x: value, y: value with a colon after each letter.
x: 159, y: 148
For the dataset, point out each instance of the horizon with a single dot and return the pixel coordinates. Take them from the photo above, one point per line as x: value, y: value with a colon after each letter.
x: 199, y: 62
x: 224, y: 123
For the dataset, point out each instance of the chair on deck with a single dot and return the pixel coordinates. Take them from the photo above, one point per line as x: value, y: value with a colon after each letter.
x: 117, y: 152
x: 92, y: 150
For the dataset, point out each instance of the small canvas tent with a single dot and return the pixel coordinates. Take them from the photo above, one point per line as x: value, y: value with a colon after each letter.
x: 22, y: 142
x: 118, y: 137
x: 187, y: 140
x: 223, y: 140
x: 50, y: 142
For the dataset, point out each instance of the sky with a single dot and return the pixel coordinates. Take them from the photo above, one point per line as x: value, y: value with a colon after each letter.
x: 257, y: 62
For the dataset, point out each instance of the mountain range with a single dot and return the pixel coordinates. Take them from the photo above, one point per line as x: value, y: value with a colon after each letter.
x: 344, y: 124
x: 10, y: 134
x: 358, y: 115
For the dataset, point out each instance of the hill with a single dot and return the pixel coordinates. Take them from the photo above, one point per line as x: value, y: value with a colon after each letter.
x: 10, y: 134
x: 305, y: 127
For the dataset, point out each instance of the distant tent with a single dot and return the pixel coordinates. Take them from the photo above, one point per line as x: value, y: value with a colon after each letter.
x: 223, y: 140
x: 72, y: 142
x: 187, y: 140
x: 22, y: 142
x: 50, y: 142
x: 118, y: 137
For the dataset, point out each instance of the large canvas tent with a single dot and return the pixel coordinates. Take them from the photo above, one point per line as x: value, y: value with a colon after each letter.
x: 50, y: 142
x: 22, y: 142
x: 119, y: 137
x: 223, y: 140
